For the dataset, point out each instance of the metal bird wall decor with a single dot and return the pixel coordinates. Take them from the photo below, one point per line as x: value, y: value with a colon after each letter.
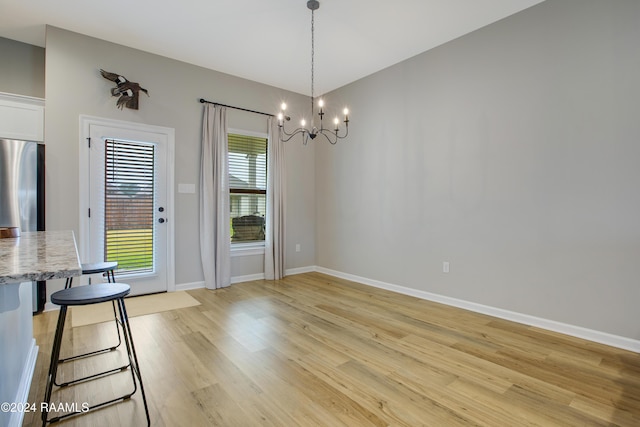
x: 126, y: 90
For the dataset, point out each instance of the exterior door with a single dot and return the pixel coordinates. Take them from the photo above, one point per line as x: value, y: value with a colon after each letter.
x: 129, y: 201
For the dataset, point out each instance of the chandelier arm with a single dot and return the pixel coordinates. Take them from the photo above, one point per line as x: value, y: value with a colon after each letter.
x: 327, y: 135
x: 295, y: 131
x: 346, y: 133
x: 288, y: 138
x: 334, y: 133
x: 292, y: 134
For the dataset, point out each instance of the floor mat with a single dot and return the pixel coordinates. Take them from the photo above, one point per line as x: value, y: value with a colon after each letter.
x: 136, y: 306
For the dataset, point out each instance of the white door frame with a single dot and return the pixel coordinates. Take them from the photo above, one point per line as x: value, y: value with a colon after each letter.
x: 85, y: 123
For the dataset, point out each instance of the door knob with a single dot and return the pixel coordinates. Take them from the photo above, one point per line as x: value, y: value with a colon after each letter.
x: 161, y: 220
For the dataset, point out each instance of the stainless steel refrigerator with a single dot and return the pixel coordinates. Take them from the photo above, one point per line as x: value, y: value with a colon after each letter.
x: 22, y: 194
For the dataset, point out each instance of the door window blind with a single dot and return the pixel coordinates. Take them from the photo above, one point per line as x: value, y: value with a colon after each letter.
x: 129, y: 205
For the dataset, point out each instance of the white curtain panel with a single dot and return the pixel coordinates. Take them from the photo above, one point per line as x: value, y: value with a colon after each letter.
x: 215, y: 239
x: 274, y: 245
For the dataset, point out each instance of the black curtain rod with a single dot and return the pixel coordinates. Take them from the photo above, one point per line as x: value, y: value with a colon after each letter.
x: 202, y: 101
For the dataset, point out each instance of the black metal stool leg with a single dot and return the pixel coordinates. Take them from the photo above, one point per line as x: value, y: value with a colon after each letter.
x: 53, y: 364
x: 92, y: 353
x: 133, y: 356
x: 110, y: 279
x: 103, y: 350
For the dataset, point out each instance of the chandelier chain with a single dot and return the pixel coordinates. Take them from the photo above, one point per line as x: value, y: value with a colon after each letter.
x: 312, y: 57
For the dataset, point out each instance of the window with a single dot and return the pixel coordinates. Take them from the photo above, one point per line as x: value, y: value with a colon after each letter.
x: 247, y: 187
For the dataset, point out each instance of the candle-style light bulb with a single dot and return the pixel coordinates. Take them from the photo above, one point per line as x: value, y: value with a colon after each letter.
x: 280, y: 117
x: 283, y: 106
x: 321, y: 103
x: 346, y: 111
x: 303, y: 123
x: 336, y: 121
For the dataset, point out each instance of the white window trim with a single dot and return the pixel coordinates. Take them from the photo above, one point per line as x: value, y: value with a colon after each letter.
x: 239, y: 249
x: 247, y: 249
x: 247, y: 133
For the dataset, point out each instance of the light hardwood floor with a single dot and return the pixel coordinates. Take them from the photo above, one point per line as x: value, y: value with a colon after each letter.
x: 313, y: 350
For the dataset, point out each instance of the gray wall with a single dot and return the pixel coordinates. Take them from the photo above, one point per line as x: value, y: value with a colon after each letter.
x: 513, y: 153
x: 74, y: 87
x: 21, y: 68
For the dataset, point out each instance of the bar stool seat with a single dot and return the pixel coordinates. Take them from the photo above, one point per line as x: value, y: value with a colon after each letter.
x: 99, y: 267
x: 107, y: 268
x: 91, y: 294
x: 86, y: 295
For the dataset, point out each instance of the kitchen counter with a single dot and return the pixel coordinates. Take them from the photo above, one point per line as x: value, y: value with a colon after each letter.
x: 38, y: 255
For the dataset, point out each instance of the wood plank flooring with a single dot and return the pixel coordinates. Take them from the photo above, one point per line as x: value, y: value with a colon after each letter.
x: 313, y: 350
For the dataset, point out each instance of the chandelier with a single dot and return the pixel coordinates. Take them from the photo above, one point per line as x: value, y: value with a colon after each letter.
x: 332, y: 135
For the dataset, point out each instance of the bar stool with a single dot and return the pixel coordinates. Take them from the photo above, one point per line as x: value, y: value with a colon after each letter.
x: 85, y: 295
x: 108, y: 269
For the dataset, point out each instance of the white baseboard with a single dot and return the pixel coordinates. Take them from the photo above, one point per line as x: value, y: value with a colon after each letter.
x: 49, y: 306
x: 301, y: 270
x: 236, y: 279
x: 550, y: 325
x: 22, y: 394
x: 187, y: 286
x: 247, y: 278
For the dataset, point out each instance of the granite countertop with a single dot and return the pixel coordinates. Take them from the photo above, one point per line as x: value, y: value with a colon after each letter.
x: 39, y: 255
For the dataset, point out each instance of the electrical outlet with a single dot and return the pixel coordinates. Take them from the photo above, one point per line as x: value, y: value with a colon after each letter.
x: 445, y: 266
x: 297, y: 247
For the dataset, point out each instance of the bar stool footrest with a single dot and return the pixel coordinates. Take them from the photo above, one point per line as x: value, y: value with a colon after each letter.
x: 90, y: 408
x: 94, y: 376
x: 91, y: 353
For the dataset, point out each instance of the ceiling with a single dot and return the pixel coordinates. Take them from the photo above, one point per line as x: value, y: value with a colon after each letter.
x: 268, y: 41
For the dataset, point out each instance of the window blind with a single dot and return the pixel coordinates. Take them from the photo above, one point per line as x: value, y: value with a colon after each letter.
x: 247, y: 186
x: 129, y: 205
